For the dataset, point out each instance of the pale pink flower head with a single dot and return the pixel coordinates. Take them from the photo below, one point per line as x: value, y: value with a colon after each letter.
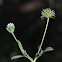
x: 10, y: 27
x: 48, y: 13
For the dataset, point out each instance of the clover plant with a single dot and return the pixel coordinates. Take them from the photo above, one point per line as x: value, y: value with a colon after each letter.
x: 46, y: 13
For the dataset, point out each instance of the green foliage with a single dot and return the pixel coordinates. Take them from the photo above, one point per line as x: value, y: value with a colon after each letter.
x: 41, y: 52
x: 48, y: 49
x: 46, y: 13
x: 25, y: 53
x: 21, y: 47
x: 16, y: 57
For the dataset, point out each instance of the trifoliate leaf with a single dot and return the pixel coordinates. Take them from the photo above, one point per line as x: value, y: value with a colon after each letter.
x: 48, y: 49
x: 16, y: 57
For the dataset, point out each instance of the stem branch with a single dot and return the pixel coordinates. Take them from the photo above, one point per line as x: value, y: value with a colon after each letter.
x: 27, y: 54
x: 44, y: 35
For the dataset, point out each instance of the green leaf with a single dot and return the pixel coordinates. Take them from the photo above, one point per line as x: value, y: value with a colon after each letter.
x: 41, y: 52
x: 40, y: 48
x: 48, y: 49
x: 16, y: 57
x: 21, y: 47
x: 25, y: 53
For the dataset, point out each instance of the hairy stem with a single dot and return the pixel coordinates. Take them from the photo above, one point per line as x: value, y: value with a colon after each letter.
x: 44, y: 35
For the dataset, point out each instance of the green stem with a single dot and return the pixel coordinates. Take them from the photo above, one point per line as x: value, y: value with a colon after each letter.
x: 27, y: 54
x: 14, y: 37
x: 28, y: 57
x: 44, y: 35
x: 35, y: 59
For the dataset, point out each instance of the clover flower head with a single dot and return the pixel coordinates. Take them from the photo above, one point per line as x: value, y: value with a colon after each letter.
x: 10, y: 27
x: 47, y: 13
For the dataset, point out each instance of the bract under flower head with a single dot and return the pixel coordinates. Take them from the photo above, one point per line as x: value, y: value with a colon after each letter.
x: 10, y: 27
x: 47, y: 13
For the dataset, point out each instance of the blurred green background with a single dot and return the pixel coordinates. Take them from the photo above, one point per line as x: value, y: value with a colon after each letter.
x: 25, y: 14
